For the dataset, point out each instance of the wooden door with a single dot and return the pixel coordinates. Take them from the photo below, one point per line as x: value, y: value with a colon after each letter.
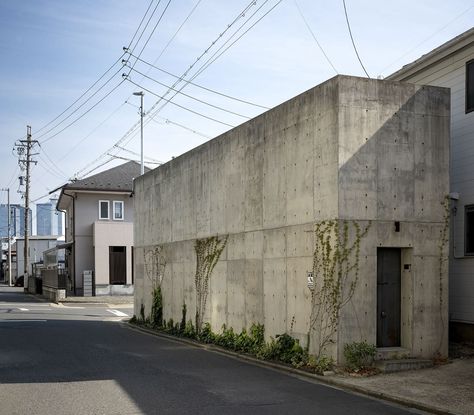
x: 118, y: 264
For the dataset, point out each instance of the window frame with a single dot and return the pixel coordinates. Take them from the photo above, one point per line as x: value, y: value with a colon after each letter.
x: 469, y: 83
x: 113, y: 210
x: 468, y: 209
x: 100, y: 210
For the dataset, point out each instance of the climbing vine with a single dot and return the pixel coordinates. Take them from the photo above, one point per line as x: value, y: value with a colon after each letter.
x: 208, y: 251
x: 444, y: 240
x: 336, y: 260
x: 155, y: 264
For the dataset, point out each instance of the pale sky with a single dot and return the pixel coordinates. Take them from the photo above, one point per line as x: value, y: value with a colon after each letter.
x: 54, y: 50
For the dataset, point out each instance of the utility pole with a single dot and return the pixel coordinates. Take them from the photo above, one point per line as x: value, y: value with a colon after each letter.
x: 24, y: 148
x: 9, y: 236
x: 141, y: 94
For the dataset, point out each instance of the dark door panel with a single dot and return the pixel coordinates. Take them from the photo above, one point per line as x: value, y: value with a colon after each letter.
x: 388, y: 297
x: 118, y: 264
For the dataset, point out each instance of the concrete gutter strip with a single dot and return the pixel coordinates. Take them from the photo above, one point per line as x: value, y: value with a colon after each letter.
x: 330, y: 381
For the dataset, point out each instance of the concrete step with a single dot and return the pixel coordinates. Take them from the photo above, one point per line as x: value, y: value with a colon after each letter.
x: 392, y: 353
x: 398, y: 365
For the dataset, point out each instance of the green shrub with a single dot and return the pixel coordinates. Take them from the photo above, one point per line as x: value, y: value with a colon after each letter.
x: 359, y: 355
x: 189, y: 330
x: 320, y: 364
x: 227, y: 338
x: 142, y: 313
x: 182, y: 326
x: 133, y: 320
x: 206, y: 335
x: 156, y: 316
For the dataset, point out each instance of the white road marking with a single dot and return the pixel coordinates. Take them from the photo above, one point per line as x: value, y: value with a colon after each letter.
x: 23, y: 309
x: 61, y: 305
x: 118, y: 313
x: 22, y: 321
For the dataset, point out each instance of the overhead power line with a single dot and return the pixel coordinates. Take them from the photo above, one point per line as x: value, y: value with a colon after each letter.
x: 153, y: 31
x: 200, y: 86
x: 219, y: 53
x: 352, y: 39
x: 180, y: 106
x: 191, y: 97
x: 129, y: 134
x: 140, y: 25
x: 168, y: 121
x: 85, y: 93
x: 84, y: 113
x: 314, y: 37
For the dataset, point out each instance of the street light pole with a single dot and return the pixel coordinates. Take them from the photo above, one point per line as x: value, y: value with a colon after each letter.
x: 9, y: 236
x: 140, y: 94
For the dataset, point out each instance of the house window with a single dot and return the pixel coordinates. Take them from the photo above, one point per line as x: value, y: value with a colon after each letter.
x: 104, y: 209
x: 470, y: 86
x: 469, y: 230
x: 118, y: 210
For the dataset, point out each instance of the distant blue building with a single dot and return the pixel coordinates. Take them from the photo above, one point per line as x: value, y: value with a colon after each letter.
x: 17, y: 215
x: 48, y: 220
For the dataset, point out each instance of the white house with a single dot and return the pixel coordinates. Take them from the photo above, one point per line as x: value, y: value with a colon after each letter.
x: 99, y: 231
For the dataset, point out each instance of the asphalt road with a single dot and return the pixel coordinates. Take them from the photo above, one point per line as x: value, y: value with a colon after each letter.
x: 84, y: 360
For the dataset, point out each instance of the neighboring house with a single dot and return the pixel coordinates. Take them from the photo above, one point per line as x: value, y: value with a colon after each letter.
x: 37, y: 245
x: 351, y: 151
x: 452, y: 65
x: 99, y: 231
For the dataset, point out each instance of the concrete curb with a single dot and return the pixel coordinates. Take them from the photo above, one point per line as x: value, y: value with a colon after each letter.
x: 330, y: 381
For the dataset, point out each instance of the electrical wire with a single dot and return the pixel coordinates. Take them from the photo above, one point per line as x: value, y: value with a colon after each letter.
x: 75, y: 110
x: 229, y: 26
x: 88, y: 89
x: 137, y: 154
x: 200, y: 86
x: 168, y: 121
x: 84, y: 113
x: 352, y: 39
x: 92, y: 131
x: 133, y: 129
x: 180, y: 106
x: 52, y: 163
x: 428, y: 38
x: 153, y: 31
x: 177, y: 31
x: 140, y: 25
x: 314, y: 37
x: 213, y: 58
x: 191, y: 97
x: 205, y: 65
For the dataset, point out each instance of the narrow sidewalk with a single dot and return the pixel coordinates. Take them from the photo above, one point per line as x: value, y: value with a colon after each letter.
x: 101, y: 299
x: 446, y: 389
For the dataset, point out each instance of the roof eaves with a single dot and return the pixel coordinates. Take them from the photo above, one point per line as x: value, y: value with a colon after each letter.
x: 437, y: 52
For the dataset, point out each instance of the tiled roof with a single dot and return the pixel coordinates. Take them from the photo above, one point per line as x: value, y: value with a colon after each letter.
x: 118, y: 178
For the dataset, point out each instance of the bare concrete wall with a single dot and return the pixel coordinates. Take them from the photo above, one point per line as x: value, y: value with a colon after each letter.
x: 350, y: 148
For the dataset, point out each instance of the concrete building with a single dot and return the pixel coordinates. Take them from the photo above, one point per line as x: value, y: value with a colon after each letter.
x: 452, y: 65
x: 99, y: 231
x: 48, y: 220
x: 351, y: 150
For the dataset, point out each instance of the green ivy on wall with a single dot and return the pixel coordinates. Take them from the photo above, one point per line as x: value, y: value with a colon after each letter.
x: 208, y: 251
x: 336, y: 260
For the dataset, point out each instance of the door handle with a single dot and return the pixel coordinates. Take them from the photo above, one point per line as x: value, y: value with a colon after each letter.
x: 383, y: 314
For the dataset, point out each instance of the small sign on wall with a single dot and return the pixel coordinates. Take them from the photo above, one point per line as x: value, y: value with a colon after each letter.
x: 310, y: 280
